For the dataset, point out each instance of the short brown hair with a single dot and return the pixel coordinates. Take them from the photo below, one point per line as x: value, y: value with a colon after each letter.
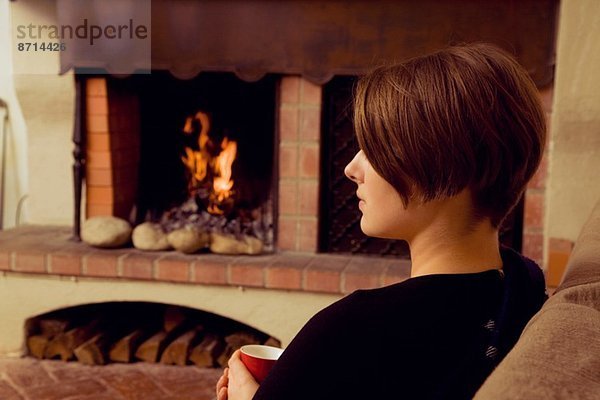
x: 468, y: 116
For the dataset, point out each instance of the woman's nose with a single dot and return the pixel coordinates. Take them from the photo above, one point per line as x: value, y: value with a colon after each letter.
x: 352, y: 170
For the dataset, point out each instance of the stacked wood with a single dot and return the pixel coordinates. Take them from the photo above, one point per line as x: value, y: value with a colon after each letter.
x: 124, y: 349
x: 208, y: 351
x: 63, y: 345
x: 175, y: 337
x: 178, y: 351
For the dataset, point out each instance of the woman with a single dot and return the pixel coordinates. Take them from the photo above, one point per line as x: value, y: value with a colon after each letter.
x: 448, y: 142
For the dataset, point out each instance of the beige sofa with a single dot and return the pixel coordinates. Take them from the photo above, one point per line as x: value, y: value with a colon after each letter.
x: 558, y: 354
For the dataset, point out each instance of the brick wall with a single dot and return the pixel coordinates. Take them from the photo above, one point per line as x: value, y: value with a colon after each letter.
x: 535, y: 195
x: 112, y: 149
x: 299, y: 166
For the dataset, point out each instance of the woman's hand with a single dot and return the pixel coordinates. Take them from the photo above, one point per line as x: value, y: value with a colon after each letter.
x: 236, y: 383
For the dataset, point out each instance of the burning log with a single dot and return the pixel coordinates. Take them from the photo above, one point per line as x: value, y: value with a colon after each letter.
x: 228, y: 244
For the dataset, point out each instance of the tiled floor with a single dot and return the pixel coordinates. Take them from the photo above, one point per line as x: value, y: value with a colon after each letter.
x: 31, y: 379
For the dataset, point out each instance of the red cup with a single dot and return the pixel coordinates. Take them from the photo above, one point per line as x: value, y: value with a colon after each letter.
x: 259, y: 359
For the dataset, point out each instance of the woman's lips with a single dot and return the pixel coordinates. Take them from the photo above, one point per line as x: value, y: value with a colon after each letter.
x: 361, y: 203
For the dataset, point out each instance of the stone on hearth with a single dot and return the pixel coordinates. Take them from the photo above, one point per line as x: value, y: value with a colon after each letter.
x: 106, y: 232
x: 188, y: 240
x: 229, y: 244
x: 150, y: 236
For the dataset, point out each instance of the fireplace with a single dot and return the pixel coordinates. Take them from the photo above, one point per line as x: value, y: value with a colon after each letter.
x: 182, y: 153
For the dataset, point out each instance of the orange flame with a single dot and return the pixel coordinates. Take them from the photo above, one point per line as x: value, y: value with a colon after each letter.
x: 199, y: 162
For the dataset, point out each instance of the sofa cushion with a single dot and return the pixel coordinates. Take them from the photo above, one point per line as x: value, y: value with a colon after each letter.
x: 584, y: 262
x: 557, y: 356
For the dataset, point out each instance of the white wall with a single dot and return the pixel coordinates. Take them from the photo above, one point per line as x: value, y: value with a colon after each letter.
x: 13, y: 133
x: 574, y: 175
x: 47, y: 103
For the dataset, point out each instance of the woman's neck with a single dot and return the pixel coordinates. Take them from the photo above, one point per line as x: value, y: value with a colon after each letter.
x: 448, y: 247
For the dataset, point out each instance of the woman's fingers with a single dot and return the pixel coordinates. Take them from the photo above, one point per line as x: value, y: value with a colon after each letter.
x: 221, y: 387
x: 222, y: 394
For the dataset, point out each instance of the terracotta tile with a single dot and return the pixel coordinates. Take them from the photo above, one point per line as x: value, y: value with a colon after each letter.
x: 288, y: 123
x: 308, y: 233
x: 98, y: 159
x: 287, y: 272
x: 288, y: 197
x: 138, y: 266
x: 97, y: 105
x: 324, y: 274
x: 100, y: 195
x: 309, y: 198
x: 97, y: 210
x: 309, y: 161
x: 249, y: 271
x: 288, y: 161
x: 533, y: 246
x: 538, y: 181
x: 30, y: 261
x: 310, y: 93
x: 310, y: 124
x: 534, y: 210
x: 290, y: 89
x: 65, y: 263
x: 8, y: 393
x: 211, y: 269
x: 287, y: 233
x: 5, y: 260
x: 98, y: 177
x: 102, y: 263
x: 97, y: 123
x: 96, y: 87
x: 363, y: 273
x: 98, y: 141
x: 174, y: 268
x: 547, y: 97
x: 398, y: 270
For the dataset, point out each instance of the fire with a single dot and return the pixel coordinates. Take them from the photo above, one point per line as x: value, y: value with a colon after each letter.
x: 203, y: 166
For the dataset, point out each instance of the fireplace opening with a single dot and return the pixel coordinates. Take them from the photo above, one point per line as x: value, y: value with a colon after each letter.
x: 204, y: 154
x: 127, y: 332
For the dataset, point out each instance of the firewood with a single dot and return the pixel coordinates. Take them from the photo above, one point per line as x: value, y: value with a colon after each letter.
x: 234, y: 342
x: 150, y: 349
x: 36, y: 345
x: 93, y: 351
x: 178, y: 351
x: 206, y: 353
x: 123, y: 350
x: 53, y: 326
x: 63, y: 344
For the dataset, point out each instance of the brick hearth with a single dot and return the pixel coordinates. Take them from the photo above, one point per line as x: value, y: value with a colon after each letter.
x: 49, y: 250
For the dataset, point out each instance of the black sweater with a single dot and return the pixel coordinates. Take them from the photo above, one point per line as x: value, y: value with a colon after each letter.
x: 429, y: 337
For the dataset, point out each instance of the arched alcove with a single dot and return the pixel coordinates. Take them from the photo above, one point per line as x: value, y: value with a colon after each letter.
x: 133, y: 331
